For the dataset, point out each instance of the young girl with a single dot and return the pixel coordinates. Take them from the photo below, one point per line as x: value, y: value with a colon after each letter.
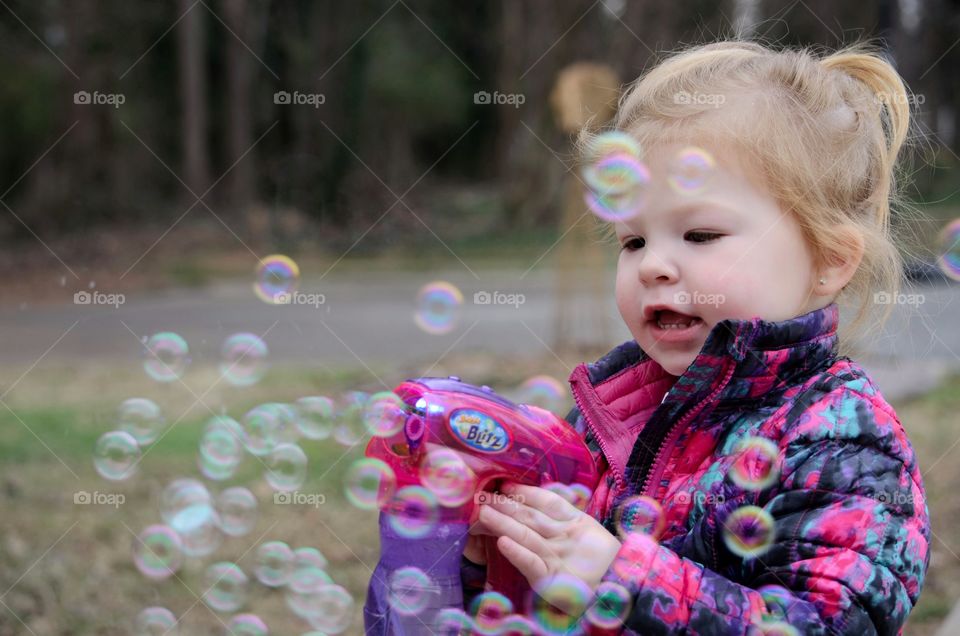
x: 731, y: 294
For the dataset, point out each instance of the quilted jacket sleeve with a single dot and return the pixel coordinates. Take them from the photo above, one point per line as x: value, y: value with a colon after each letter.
x: 851, y: 545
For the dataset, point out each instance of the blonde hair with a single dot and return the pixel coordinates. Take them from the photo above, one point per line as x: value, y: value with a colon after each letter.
x: 825, y: 131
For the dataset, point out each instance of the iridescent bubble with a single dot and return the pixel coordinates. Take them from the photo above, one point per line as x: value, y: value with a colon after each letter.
x: 581, y: 496
x: 221, y: 448
x: 237, y: 511
x: 226, y: 587
x: 199, y: 530
x: 413, y: 512
x: 559, y: 602
x: 756, y: 465
x: 640, y: 514
x: 749, y: 531
x: 517, y: 625
x: 262, y: 426
x: 559, y: 488
x: 334, y: 610
x: 384, y: 414
x: 315, y: 416
x: 543, y: 391
x: 611, y: 605
x: 349, y: 425
x: 949, y: 250
x: 274, y: 563
x: 155, y: 621
x: 309, y: 558
x: 691, y: 171
x: 444, y: 473
x: 142, y: 419
x: 369, y: 483
x: 616, y: 187
x: 277, y: 279
x: 116, y: 455
x: 304, y: 592
x: 181, y: 495
x: 286, y: 467
x: 452, y: 621
x: 243, y: 359
x: 158, y: 552
x: 438, y: 307
x: 246, y: 625
x: 778, y: 600
x: 773, y: 628
x: 166, y: 356
x: 489, y: 610
x: 410, y: 591
x: 610, y: 143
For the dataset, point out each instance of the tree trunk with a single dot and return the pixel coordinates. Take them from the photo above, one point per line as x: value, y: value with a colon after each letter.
x: 193, y: 97
x: 239, y: 137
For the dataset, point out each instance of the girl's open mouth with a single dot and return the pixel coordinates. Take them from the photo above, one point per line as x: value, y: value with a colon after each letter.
x: 671, y: 326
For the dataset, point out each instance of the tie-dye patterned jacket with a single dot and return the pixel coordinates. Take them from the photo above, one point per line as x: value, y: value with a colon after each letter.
x: 852, y: 534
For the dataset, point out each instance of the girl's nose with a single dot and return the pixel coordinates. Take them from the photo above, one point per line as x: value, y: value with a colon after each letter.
x: 655, y: 269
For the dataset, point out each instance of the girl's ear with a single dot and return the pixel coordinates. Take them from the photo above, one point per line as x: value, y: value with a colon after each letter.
x: 840, y: 266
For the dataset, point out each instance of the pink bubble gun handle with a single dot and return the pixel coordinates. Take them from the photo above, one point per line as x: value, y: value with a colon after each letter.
x: 497, y: 439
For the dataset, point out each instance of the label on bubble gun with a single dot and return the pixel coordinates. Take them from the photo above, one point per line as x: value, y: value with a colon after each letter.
x: 479, y: 431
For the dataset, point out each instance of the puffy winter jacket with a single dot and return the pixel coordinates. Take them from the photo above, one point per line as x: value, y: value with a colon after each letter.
x: 851, y: 544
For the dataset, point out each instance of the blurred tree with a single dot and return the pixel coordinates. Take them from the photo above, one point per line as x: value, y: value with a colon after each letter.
x: 191, y: 45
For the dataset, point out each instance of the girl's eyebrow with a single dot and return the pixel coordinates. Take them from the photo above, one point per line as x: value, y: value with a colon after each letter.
x: 684, y: 209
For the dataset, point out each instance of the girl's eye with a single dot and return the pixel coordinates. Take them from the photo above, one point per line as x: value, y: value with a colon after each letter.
x: 632, y: 244
x: 702, y: 237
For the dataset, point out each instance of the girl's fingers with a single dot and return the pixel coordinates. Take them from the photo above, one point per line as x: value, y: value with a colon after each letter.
x: 530, y: 564
x: 544, y: 525
x: 502, y: 525
x: 549, y: 503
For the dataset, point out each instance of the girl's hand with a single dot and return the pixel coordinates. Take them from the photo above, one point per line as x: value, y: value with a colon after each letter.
x: 542, y: 534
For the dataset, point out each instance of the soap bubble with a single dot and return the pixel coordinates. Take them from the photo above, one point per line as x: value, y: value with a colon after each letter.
x: 444, y: 473
x: 617, y: 187
x: 334, y: 610
x: 116, y: 455
x: 543, y: 391
x: 369, y: 483
x: 349, y: 425
x: 246, y: 625
x: 286, y: 467
x: 274, y: 563
x: 226, y: 587
x: 315, y: 417
x: 181, y: 495
x: 413, y: 512
x: 756, y: 463
x: 277, y: 278
x: 264, y: 427
x: 384, y: 414
x: 640, y: 514
x: 610, y: 607
x: 166, y: 356
x: 155, y: 621
x: 749, y: 531
x: 142, y: 419
x: 243, y: 359
x: 410, y: 591
x: 611, y: 143
x: 221, y: 448
x: 453, y: 621
x: 309, y: 558
x: 438, y: 307
x: 158, y: 552
x: 305, y: 587
x: 187, y: 506
x: 691, y: 171
x: 237, y: 511
x: 489, y: 610
x: 558, y: 603
x: 949, y: 250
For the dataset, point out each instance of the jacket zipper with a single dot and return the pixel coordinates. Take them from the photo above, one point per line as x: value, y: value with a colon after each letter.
x: 655, y: 467
x: 618, y: 477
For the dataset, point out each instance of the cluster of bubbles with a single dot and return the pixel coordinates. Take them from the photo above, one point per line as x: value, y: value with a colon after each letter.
x: 117, y: 453
x: 749, y: 531
x: 242, y: 358
x: 617, y: 180
x: 438, y: 306
x: 277, y: 276
x: 949, y: 249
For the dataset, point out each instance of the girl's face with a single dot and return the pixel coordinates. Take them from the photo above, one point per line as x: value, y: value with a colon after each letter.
x: 694, y: 260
